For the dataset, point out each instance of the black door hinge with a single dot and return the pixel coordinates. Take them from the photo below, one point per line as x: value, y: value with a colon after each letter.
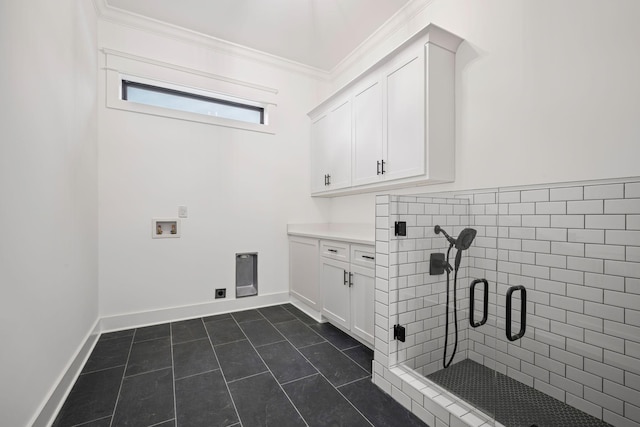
x: 399, y: 333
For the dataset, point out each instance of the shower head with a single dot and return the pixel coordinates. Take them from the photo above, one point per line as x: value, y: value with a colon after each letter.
x: 462, y: 243
x: 465, y: 238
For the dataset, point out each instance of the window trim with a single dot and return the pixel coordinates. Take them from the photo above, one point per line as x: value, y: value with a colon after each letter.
x: 127, y: 83
x: 192, y: 82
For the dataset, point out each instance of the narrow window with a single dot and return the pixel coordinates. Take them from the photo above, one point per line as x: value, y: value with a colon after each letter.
x: 191, y: 102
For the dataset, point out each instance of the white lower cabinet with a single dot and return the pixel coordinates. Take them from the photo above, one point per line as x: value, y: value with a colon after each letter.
x: 347, y: 283
x: 334, y: 280
x: 303, y: 271
x: 362, y: 302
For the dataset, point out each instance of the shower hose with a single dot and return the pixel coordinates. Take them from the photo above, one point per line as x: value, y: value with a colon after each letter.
x: 455, y: 314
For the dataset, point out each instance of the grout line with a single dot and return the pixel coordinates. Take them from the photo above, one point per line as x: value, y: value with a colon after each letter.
x: 162, y: 422
x: 173, y: 374
x: 323, y: 376
x: 230, y: 342
x: 195, y: 375
x: 188, y: 341
x: 148, y: 372
x: 101, y: 370
x: 224, y: 378
x: 249, y: 376
x: 274, y: 378
x: 354, y: 381
x: 152, y: 339
x: 269, y: 343
x: 124, y: 371
x: 90, y: 421
x: 302, y: 378
x: 349, y: 348
x: 310, y: 345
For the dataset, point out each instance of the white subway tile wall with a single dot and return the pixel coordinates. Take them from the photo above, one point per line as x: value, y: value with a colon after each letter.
x: 575, y: 248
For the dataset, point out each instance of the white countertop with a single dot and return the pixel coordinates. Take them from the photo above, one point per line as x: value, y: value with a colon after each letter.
x: 364, y: 234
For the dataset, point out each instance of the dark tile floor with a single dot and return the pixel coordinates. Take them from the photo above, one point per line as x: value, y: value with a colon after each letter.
x: 273, y: 366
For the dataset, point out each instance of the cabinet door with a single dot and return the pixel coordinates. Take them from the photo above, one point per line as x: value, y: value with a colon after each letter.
x: 362, y: 303
x: 367, y: 133
x: 405, y: 109
x: 319, y: 153
x: 339, y: 146
x: 303, y: 271
x: 335, y: 291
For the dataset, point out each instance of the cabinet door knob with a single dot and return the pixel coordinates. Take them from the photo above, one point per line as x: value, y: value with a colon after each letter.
x: 345, y: 277
x: 350, y: 279
x: 382, y: 168
x: 328, y: 179
x: 378, y: 167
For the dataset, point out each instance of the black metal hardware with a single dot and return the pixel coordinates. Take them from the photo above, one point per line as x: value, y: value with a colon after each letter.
x: 382, y: 168
x: 350, y: 279
x: 368, y: 257
x: 335, y: 251
x: 345, y: 277
x: 523, y: 312
x: 328, y: 179
x: 485, y: 302
x: 378, y: 168
x: 399, y: 333
x: 400, y: 228
x: 437, y: 264
x: 325, y: 179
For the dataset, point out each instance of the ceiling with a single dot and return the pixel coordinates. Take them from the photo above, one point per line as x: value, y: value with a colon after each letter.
x: 317, y: 33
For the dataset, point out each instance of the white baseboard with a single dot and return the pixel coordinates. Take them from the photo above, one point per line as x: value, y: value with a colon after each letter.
x: 300, y: 305
x: 45, y: 416
x: 172, y: 314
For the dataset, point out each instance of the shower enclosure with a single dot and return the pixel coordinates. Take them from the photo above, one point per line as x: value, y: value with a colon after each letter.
x: 543, y: 325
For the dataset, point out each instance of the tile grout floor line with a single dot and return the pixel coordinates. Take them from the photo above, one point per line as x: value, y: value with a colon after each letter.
x: 320, y: 373
x: 173, y: 374
x: 124, y: 372
x: 226, y: 384
x: 270, y: 372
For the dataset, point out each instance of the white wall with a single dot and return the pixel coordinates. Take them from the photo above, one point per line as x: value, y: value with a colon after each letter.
x: 48, y: 193
x: 547, y: 91
x: 241, y: 188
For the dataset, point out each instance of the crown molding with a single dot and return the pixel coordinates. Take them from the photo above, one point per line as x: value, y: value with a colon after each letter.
x: 396, y: 23
x: 118, y: 16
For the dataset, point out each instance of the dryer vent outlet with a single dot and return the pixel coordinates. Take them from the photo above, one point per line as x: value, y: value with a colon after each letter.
x: 221, y: 293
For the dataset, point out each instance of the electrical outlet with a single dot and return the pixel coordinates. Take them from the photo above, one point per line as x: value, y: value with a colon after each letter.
x: 221, y: 293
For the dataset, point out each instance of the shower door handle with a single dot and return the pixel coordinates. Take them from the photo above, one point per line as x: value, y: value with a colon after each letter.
x: 485, y: 303
x: 523, y: 312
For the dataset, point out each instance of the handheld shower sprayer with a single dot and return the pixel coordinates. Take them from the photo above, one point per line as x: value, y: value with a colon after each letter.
x: 450, y: 239
x: 462, y: 243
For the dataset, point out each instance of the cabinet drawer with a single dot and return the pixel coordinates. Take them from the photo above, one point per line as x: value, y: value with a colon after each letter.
x: 335, y: 250
x: 363, y: 255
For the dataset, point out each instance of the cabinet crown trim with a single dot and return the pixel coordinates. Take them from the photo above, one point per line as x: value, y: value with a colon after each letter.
x: 432, y: 35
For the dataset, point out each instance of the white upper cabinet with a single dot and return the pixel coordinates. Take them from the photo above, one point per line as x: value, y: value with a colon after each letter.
x: 405, y: 108
x: 331, y: 148
x: 319, y: 155
x: 367, y: 132
x: 393, y: 126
